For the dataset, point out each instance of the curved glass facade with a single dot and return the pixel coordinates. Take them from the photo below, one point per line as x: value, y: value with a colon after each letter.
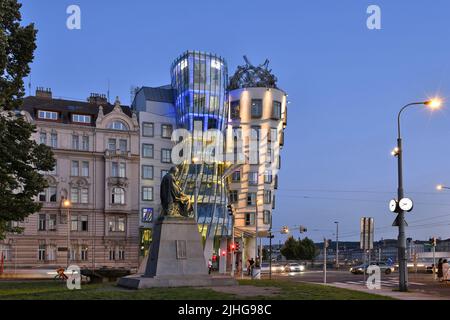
x: 199, y: 81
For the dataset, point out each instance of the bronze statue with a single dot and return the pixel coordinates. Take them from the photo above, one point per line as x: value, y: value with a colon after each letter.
x: 174, y: 202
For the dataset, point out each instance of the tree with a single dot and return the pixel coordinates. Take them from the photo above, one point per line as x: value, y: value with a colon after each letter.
x: 21, y: 158
x: 307, y: 249
x: 290, y: 249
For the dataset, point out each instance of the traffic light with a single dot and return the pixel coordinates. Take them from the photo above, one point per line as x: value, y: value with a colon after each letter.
x: 238, y: 246
x: 230, y: 210
x: 224, y: 253
x: 285, y: 230
x: 233, y: 247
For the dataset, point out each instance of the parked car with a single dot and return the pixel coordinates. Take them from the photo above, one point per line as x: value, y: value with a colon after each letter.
x: 384, y: 267
x: 294, y: 267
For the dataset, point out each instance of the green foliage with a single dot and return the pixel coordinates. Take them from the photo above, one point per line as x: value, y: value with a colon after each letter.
x: 299, y: 249
x: 21, y: 158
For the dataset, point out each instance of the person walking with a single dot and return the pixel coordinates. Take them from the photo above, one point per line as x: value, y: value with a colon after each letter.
x: 445, y: 267
x: 440, y: 274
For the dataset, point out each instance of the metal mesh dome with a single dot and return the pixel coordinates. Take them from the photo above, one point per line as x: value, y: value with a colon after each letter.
x: 250, y: 76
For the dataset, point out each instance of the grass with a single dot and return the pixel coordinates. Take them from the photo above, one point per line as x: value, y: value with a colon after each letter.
x: 53, y: 290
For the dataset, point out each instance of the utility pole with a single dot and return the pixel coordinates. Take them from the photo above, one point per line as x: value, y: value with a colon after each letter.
x: 337, y: 245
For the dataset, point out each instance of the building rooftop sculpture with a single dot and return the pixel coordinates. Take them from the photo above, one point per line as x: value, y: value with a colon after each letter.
x: 248, y: 76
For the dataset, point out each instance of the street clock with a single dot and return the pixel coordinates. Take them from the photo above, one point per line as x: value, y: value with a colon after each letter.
x: 406, y: 204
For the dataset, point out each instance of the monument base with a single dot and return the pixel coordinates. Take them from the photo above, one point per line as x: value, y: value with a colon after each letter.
x: 140, y: 282
x: 176, y: 259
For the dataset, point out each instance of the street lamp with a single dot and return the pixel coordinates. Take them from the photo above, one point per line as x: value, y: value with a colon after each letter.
x: 67, y: 205
x: 400, y: 221
x: 441, y: 187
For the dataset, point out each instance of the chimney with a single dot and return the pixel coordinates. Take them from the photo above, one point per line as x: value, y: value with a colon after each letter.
x: 97, y: 98
x: 44, y: 93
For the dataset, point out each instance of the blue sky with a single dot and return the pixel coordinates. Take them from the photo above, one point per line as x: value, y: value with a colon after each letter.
x: 346, y: 84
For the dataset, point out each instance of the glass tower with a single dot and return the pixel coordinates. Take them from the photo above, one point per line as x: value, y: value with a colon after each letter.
x: 199, y: 81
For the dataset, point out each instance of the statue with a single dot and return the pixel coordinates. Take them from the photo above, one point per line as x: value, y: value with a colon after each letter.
x: 174, y: 202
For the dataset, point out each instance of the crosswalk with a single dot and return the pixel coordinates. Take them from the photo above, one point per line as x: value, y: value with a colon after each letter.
x: 389, y: 283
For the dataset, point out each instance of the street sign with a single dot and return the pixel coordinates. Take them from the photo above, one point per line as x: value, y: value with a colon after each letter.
x: 367, y: 230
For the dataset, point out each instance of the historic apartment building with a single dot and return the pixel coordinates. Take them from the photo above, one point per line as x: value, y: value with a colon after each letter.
x: 96, y: 146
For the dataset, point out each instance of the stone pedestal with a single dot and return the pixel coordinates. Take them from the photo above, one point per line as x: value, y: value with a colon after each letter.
x: 176, y: 259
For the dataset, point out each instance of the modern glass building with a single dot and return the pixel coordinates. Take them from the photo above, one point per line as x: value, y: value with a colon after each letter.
x: 199, y: 81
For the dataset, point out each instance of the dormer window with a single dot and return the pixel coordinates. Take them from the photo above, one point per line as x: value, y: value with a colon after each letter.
x: 81, y: 118
x: 47, y: 115
x: 118, y: 125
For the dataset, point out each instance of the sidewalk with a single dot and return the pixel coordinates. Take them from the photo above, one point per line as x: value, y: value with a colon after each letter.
x: 412, y: 295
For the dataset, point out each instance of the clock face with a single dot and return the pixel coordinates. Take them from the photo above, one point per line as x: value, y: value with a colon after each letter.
x: 393, y: 205
x: 406, y: 204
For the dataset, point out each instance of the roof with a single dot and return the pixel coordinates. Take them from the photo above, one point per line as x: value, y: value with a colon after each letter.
x: 159, y: 94
x: 66, y: 108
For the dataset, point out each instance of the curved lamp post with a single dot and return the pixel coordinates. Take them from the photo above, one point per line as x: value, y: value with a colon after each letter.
x: 400, y: 222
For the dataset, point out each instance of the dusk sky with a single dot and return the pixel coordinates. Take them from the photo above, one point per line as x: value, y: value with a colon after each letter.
x: 346, y: 84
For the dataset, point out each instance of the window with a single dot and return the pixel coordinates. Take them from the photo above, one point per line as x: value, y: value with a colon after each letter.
x: 276, y: 112
x: 74, y: 198
x: 112, y: 145
x: 79, y: 223
x: 236, y: 177
x: 266, y: 217
x: 41, y: 252
x: 84, y: 253
x: 251, y: 199
x: 118, y: 170
x: 256, y: 108
x: 85, y: 169
x: 148, y: 129
x: 166, y: 156
x: 75, y: 171
x: 121, y: 254
x: 42, y: 222
x: 123, y: 146
x: 268, y: 178
x: 199, y: 72
x: 267, y: 197
x: 147, y: 193
x: 54, y: 140
x: 147, y: 172
x: 52, y: 222
x: 75, y: 142
x: 117, y: 224
x: 84, y: 197
x: 235, y: 110
x: 43, y: 138
x: 81, y: 118
x: 233, y: 196
x: 51, y: 253
x: 147, y: 150
x: 112, y: 254
x: 199, y: 100
x: 250, y: 219
x: 118, y: 196
x: 47, y: 115
x: 48, y: 195
x: 85, y: 143
x: 163, y: 173
x: 118, y: 125
x: 213, y: 103
x: 147, y: 215
x: 253, y: 178
x: 166, y: 131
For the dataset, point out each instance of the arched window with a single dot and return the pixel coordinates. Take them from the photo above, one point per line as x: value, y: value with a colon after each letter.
x: 118, y: 196
x: 118, y: 125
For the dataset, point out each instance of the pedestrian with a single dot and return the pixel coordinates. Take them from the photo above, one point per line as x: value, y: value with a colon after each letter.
x: 445, y: 267
x: 209, y: 266
x: 440, y: 274
x: 252, y: 265
x: 248, y: 267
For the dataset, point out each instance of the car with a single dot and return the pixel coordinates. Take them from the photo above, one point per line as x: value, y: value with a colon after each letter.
x: 384, y: 267
x: 277, y: 268
x: 294, y: 267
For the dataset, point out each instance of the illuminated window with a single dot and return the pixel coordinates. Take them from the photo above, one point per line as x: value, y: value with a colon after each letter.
x: 118, y: 196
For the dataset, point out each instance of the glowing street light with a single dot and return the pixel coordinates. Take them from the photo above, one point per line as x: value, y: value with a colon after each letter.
x: 435, y: 103
x: 441, y: 187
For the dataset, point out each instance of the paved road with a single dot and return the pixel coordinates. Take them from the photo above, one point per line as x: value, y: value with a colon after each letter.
x: 422, y: 283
